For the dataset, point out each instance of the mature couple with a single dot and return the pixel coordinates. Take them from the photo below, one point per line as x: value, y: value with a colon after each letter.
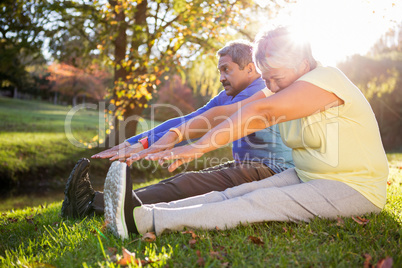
x: 328, y: 127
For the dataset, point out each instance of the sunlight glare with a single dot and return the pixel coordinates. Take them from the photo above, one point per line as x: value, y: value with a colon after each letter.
x: 339, y: 28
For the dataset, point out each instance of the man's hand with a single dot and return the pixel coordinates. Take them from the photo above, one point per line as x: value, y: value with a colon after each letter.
x: 182, y: 154
x: 121, y: 151
x: 126, y: 152
x: 112, y: 151
x: 167, y: 141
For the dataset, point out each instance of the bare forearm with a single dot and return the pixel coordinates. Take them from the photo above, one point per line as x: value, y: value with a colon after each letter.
x: 246, y: 121
x: 204, y: 122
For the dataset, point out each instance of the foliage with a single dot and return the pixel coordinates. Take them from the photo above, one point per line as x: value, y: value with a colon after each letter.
x: 379, y: 77
x: 37, y: 236
x: 174, y: 99
x: 69, y: 80
x: 142, y: 39
x: 21, y: 38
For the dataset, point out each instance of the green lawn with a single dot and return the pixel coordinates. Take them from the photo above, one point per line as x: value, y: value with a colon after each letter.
x: 38, y: 237
x: 33, y: 142
x: 32, y: 136
x: 35, y: 149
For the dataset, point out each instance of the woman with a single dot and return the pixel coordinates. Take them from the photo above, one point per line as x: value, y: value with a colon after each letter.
x: 340, y: 164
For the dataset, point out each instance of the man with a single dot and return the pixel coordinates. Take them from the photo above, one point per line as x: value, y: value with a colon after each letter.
x: 256, y: 156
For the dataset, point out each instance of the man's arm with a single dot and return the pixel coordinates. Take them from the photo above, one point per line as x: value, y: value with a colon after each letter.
x: 133, y: 145
x: 196, y: 127
x: 299, y: 100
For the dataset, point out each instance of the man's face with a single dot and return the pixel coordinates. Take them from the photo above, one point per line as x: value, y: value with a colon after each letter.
x: 232, y: 78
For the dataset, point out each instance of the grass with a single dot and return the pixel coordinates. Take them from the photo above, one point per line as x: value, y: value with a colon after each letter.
x: 32, y: 135
x: 38, y: 237
x: 34, y: 147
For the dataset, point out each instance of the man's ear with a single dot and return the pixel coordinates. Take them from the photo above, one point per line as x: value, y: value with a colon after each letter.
x: 250, y: 68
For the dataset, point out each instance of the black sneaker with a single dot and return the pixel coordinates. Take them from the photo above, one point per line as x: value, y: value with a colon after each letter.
x: 119, y: 205
x: 78, y: 193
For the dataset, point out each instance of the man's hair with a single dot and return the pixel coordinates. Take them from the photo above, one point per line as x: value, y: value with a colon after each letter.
x: 278, y: 48
x: 239, y: 50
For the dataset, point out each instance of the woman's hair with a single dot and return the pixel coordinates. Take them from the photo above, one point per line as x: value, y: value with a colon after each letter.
x: 278, y: 48
x: 239, y: 50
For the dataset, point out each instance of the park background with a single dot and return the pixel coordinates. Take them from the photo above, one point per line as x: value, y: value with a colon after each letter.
x: 77, y: 77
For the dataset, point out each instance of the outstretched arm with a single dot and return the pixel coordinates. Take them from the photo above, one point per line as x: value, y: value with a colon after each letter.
x: 196, y: 127
x: 299, y: 100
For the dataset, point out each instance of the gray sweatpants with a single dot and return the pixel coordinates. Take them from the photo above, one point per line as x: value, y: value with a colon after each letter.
x: 282, y: 197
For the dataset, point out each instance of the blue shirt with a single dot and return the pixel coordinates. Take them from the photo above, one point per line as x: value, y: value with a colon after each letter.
x: 264, y: 146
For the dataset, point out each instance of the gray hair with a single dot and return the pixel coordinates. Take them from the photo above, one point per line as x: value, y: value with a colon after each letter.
x: 277, y: 48
x: 239, y: 50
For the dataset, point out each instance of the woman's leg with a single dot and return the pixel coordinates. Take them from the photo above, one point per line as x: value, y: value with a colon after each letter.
x: 298, y: 202
x: 287, y: 177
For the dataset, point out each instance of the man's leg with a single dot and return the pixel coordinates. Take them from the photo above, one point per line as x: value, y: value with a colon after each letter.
x: 188, y: 184
x: 295, y: 202
x: 78, y: 192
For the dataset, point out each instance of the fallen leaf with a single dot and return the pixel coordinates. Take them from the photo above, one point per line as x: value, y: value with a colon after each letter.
x: 200, y: 261
x: 193, y: 235
x: 149, y: 237
x: 29, y: 220
x: 12, y: 219
x: 112, y: 250
x: 192, y: 242
x: 215, y: 255
x: 339, y: 222
x: 128, y: 257
x: 367, y: 260
x: 256, y: 240
x: 385, y: 263
x: 360, y: 220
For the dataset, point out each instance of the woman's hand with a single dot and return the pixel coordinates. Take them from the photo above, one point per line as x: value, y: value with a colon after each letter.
x: 182, y: 154
x: 167, y: 141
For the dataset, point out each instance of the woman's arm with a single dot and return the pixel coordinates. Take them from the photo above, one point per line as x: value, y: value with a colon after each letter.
x: 299, y: 100
x: 201, y: 124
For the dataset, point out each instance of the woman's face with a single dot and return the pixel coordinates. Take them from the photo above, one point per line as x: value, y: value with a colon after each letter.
x: 277, y: 79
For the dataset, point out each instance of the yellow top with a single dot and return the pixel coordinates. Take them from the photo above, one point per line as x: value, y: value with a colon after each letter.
x: 342, y: 143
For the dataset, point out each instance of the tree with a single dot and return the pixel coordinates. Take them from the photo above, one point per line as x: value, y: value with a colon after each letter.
x: 21, y: 39
x: 141, y: 39
x: 71, y: 81
x: 378, y: 75
x: 176, y: 99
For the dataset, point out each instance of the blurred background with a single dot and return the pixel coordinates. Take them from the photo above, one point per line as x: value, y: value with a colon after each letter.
x: 77, y: 77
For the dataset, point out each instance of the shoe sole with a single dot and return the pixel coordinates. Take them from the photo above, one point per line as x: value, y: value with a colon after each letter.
x: 115, y: 189
x: 80, y: 168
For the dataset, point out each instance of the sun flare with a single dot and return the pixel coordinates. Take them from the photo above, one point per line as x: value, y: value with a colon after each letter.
x: 339, y: 28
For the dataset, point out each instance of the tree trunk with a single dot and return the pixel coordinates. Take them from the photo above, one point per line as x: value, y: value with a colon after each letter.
x: 56, y: 94
x: 74, y: 101
x: 120, y: 74
x: 127, y: 128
